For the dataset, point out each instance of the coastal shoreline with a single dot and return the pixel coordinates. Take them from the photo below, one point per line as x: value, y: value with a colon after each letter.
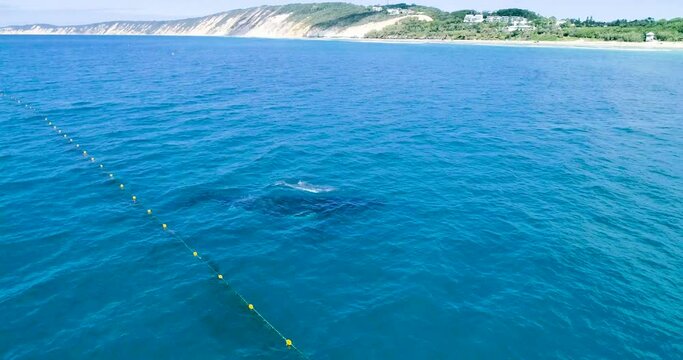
x: 571, y: 44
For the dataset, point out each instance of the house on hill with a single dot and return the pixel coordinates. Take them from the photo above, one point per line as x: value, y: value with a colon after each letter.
x: 512, y: 20
x: 473, y: 19
x: 399, y: 11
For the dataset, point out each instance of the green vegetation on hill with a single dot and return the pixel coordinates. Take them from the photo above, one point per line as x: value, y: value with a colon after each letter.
x: 321, y: 12
x: 625, y: 30
x: 329, y: 15
x: 517, y: 12
x: 450, y: 26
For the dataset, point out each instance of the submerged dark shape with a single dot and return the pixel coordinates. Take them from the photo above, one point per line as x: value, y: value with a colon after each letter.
x: 283, y: 201
x: 305, y: 205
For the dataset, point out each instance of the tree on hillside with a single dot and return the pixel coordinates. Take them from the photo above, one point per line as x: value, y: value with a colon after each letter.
x: 516, y: 12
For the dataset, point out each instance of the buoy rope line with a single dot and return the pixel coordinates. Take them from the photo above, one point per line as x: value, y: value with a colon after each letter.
x: 136, y: 202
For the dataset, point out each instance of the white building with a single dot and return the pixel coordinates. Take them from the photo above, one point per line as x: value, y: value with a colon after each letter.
x: 649, y: 37
x: 495, y: 19
x: 396, y: 11
x: 474, y: 19
x: 377, y: 8
x: 513, y: 20
x: 507, y: 19
x: 519, y: 27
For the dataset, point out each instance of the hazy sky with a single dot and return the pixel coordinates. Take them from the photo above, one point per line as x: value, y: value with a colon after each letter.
x: 63, y: 12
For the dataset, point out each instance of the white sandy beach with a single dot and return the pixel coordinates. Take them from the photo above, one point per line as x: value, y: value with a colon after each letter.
x: 579, y: 43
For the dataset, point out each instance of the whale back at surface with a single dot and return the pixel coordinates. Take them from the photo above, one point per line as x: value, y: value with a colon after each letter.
x: 285, y: 201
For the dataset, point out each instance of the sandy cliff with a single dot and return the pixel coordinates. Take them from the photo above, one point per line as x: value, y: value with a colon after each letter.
x: 265, y: 21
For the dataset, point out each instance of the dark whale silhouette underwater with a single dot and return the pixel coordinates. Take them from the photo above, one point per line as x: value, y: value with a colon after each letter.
x: 286, y: 199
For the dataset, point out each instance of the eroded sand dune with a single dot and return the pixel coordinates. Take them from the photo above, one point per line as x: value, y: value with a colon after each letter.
x: 269, y: 22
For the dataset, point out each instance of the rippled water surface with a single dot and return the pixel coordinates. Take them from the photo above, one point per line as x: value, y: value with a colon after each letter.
x: 374, y: 201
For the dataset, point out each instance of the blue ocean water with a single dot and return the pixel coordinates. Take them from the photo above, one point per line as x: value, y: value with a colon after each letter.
x: 456, y: 202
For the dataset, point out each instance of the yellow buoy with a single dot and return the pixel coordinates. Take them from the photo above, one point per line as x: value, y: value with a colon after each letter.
x: 49, y: 123
x: 101, y: 166
x: 65, y: 136
x: 111, y: 175
x: 121, y: 186
x: 288, y: 342
x: 164, y: 226
x: 134, y: 198
x: 77, y: 145
x: 85, y: 153
x: 251, y: 307
x: 92, y: 159
x: 149, y: 211
x: 220, y: 276
x: 194, y: 253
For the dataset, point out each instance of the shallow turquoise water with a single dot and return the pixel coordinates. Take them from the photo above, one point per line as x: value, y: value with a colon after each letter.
x: 488, y: 202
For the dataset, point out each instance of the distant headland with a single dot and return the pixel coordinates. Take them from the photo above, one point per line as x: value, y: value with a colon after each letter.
x: 397, y: 22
